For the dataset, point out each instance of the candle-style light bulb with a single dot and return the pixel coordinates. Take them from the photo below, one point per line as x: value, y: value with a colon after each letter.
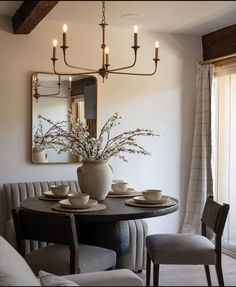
x: 156, y: 49
x: 64, y: 28
x: 54, y: 48
x: 70, y: 80
x: 107, y: 55
x: 135, y: 35
x: 55, y: 43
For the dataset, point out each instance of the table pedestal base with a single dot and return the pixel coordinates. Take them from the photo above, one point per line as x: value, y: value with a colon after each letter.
x: 112, y: 235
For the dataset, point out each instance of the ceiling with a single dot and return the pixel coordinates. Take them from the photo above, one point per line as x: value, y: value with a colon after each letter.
x: 187, y: 17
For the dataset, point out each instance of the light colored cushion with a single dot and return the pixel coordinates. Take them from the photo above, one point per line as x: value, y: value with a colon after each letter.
x: 14, y: 271
x: 48, y: 279
x: 55, y: 259
x: 180, y: 249
x: 118, y: 277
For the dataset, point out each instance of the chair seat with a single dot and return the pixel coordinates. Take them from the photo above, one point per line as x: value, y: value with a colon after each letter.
x: 55, y: 258
x: 180, y: 249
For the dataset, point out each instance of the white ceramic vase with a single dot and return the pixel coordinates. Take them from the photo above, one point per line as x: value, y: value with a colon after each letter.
x: 39, y: 156
x: 95, y: 178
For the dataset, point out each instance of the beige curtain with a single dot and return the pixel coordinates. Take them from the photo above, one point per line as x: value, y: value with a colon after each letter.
x: 200, y: 182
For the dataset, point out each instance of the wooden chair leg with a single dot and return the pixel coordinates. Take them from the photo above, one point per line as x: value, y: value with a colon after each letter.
x: 74, y: 264
x: 156, y: 275
x: 208, y: 274
x: 148, y: 270
x: 219, y: 274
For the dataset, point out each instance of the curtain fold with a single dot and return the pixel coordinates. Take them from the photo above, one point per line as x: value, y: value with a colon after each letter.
x: 200, y: 182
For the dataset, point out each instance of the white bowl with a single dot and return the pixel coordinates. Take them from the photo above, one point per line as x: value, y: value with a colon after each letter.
x: 78, y: 198
x: 117, y: 180
x: 152, y: 194
x: 119, y: 186
x: 62, y: 189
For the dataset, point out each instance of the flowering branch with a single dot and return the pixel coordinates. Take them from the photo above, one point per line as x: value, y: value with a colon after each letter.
x: 76, y: 139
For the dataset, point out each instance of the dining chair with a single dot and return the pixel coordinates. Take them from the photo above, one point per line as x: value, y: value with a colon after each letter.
x: 190, y: 249
x: 63, y: 255
x: 135, y: 230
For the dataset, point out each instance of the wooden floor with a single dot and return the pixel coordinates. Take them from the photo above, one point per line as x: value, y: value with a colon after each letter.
x: 184, y: 275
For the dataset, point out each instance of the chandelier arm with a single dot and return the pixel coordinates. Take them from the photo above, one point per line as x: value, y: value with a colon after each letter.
x: 75, y: 67
x: 48, y: 87
x: 71, y: 74
x: 52, y: 96
x: 45, y: 95
x: 134, y: 74
x: 37, y: 94
x: 123, y: 68
x: 138, y: 74
x: 135, y: 59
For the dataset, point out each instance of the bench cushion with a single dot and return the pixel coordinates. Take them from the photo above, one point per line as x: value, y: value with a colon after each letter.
x: 118, y: 277
x: 55, y: 258
x: 48, y: 279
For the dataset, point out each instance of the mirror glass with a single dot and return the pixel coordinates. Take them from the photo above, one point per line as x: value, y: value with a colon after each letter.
x: 52, y: 97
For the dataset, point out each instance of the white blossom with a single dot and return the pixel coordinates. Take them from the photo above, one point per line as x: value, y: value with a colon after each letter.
x: 78, y: 141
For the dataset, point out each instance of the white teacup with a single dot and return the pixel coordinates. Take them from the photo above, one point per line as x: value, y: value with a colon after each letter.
x: 78, y: 198
x: 62, y: 189
x: 119, y: 186
x: 152, y: 194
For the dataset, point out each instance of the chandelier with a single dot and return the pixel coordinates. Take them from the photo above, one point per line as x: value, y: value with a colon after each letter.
x: 105, y: 70
x: 55, y: 94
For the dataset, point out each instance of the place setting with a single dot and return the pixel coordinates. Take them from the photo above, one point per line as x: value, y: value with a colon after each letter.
x: 151, y: 198
x: 55, y: 193
x: 122, y: 189
x: 78, y: 202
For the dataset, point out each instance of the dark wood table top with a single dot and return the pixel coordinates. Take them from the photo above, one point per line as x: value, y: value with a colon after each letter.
x: 116, y: 210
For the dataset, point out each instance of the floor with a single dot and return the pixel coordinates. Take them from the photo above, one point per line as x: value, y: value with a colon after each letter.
x: 173, y: 275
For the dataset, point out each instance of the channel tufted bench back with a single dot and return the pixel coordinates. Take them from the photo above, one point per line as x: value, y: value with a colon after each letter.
x: 15, y: 193
x: 137, y: 230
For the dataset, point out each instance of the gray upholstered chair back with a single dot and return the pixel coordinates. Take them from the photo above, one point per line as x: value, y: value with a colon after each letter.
x: 136, y: 230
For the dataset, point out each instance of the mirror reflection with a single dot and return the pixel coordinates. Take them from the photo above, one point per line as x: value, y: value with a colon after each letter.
x: 52, y: 97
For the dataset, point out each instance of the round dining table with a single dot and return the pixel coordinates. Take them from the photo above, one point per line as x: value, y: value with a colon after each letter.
x: 103, y: 227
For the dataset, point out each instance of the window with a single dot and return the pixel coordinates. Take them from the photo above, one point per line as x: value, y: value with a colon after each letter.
x: 224, y: 147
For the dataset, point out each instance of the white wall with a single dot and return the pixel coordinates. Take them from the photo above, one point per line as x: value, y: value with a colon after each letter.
x: 164, y: 103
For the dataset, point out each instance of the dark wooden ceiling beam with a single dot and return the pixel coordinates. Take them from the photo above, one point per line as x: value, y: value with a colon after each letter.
x: 220, y: 43
x: 30, y: 13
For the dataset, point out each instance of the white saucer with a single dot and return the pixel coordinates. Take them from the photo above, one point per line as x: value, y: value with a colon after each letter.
x: 65, y: 203
x: 141, y: 199
x: 128, y: 191
x: 50, y: 194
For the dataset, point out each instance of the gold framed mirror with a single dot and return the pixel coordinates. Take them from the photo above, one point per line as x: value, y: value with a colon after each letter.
x: 52, y: 97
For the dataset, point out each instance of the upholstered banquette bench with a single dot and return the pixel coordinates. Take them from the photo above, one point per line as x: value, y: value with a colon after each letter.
x: 136, y: 230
